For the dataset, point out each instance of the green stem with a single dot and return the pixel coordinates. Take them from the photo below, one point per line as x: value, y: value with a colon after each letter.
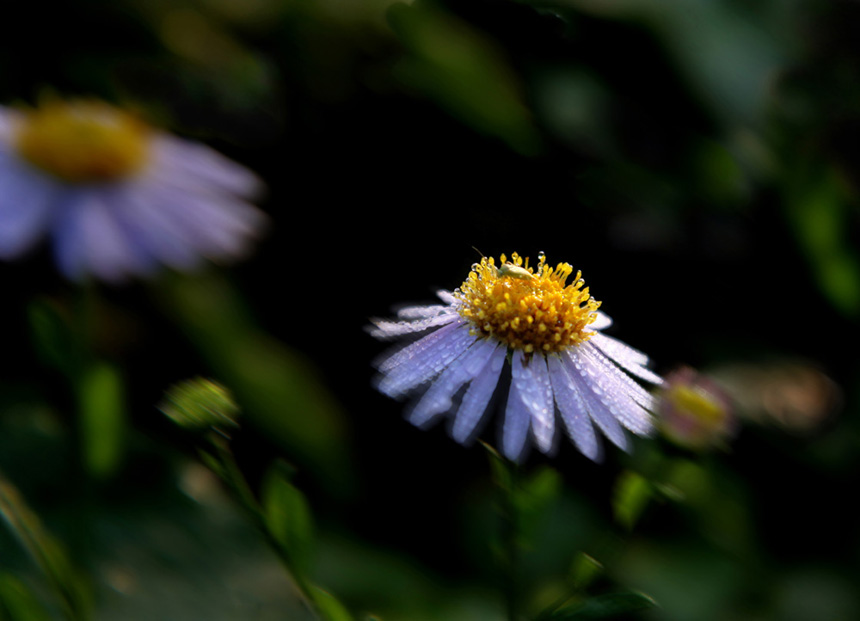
x: 507, y: 480
x: 233, y: 477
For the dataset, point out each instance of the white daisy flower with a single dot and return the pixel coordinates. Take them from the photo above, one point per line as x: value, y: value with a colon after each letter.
x: 116, y: 197
x: 512, y: 325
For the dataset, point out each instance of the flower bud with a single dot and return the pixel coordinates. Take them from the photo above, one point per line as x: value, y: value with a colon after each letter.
x: 199, y: 404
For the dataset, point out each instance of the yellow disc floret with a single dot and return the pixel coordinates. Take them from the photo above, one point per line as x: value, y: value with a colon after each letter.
x: 527, y: 309
x: 82, y: 141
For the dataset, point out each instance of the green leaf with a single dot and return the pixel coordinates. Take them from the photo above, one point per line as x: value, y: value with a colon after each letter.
x: 818, y: 206
x: 67, y: 583
x: 631, y: 495
x: 288, y: 519
x: 18, y: 603
x: 101, y: 403
x: 584, y: 570
x: 328, y: 606
x: 534, y: 497
x: 464, y: 71
x: 605, y: 607
x: 52, y: 338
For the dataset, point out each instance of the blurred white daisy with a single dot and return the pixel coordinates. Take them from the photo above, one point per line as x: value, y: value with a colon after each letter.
x: 117, y: 197
x: 517, y: 326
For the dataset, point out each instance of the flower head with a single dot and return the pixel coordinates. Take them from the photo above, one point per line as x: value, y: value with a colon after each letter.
x: 526, y: 327
x: 117, y: 197
x: 200, y: 403
x: 694, y: 412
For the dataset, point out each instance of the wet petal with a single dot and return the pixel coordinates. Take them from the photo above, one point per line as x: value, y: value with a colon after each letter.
x: 573, y: 410
x: 384, y: 329
x: 599, y: 412
x: 532, y: 381
x: 438, y: 398
x: 516, y: 426
x: 424, y: 359
x: 625, y: 356
x: 478, y: 396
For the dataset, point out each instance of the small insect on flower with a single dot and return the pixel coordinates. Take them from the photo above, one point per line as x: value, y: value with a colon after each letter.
x: 528, y: 328
x: 117, y: 197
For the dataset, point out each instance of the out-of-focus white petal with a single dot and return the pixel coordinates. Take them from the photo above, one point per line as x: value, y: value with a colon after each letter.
x: 478, y: 395
x: 217, y: 227
x: 7, y: 128
x: 201, y: 168
x: 573, y: 410
x: 25, y: 206
x: 89, y: 239
x: 533, y: 384
x: 157, y: 231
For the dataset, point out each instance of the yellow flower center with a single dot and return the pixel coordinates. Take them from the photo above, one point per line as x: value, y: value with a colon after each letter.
x: 82, y: 141
x: 525, y: 309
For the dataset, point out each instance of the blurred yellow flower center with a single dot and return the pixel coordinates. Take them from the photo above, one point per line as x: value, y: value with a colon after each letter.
x: 706, y: 410
x: 82, y: 141
x: 527, y: 309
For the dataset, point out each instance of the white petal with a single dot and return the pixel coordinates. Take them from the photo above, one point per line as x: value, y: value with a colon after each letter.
x: 216, y: 226
x: 516, y: 425
x: 201, y: 168
x: 573, y: 411
x: 447, y: 297
x: 89, y: 240
x: 478, y: 395
x: 627, y: 385
x: 533, y: 384
x: 422, y: 312
x: 8, y: 119
x: 158, y: 230
x: 612, y: 393
x: 26, y: 202
x: 602, y: 322
x: 405, y: 354
x: 618, y: 350
x: 598, y: 411
x: 627, y: 357
x: 423, y: 360
x: 385, y: 329
x: 438, y: 398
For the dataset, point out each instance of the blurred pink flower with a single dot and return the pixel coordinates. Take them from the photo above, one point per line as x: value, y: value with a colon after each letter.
x: 693, y: 411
